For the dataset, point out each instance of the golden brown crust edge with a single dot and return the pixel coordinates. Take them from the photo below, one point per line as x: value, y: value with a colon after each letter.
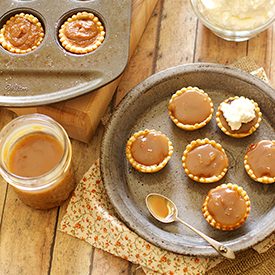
x: 194, y: 144
x: 187, y: 126
x: 239, y: 135
x: 80, y: 50
x: 144, y: 168
x: 264, y: 180
x: 8, y: 46
x: 218, y: 225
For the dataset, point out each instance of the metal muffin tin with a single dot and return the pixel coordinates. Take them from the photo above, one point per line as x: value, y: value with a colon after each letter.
x: 50, y: 73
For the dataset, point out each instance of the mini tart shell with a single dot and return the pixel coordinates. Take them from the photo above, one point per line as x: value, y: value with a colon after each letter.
x: 190, y: 147
x: 144, y: 168
x: 82, y: 50
x: 8, y: 46
x: 265, y: 179
x: 190, y: 127
x: 218, y: 225
x: 239, y: 135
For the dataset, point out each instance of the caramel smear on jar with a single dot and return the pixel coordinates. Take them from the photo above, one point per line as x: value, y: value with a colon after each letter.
x: 261, y: 158
x: 206, y: 161
x: 150, y: 149
x: 35, y: 155
x: 226, y: 206
x: 21, y: 33
x: 191, y: 107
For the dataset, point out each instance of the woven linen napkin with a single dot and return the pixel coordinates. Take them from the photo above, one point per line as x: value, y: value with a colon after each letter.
x: 91, y: 217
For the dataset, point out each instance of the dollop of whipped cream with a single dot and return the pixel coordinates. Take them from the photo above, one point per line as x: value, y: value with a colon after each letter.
x: 238, y: 111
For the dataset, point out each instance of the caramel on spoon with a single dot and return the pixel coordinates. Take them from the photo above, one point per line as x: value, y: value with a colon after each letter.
x: 164, y: 210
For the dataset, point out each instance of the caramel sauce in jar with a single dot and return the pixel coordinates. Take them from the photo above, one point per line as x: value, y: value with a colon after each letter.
x: 35, y: 155
x: 36, y: 159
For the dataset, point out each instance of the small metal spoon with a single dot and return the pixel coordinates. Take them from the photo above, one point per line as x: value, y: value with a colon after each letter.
x: 172, y: 215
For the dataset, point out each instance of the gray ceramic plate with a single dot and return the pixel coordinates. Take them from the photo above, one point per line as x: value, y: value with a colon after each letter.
x: 146, y: 107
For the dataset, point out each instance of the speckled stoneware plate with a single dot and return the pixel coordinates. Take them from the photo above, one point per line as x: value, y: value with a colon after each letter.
x: 146, y: 107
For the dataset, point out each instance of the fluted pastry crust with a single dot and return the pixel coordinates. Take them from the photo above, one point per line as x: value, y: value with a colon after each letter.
x: 218, y: 225
x: 141, y: 167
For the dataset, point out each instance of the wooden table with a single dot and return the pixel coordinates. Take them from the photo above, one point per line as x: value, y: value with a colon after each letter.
x: 29, y: 242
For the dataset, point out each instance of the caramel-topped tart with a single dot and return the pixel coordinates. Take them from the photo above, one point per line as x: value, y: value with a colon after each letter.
x: 226, y: 207
x: 149, y: 151
x: 190, y: 108
x: 259, y: 161
x: 205, y: 161
x: 238, y: 116
x: 21, y: 34
x: 82, y: 33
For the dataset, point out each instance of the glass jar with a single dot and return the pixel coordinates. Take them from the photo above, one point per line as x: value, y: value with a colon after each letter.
x: 235, y: 20
x: 50, y: 189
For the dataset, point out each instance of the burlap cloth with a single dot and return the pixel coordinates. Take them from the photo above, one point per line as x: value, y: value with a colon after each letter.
x: 91, y: 217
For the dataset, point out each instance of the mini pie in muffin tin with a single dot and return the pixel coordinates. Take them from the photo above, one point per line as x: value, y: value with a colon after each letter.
x: 21, y: 34
x: 82, y: 33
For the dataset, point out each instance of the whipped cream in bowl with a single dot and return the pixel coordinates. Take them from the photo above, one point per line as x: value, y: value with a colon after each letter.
x: 235, y: 20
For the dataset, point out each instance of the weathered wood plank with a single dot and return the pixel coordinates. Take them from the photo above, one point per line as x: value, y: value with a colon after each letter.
x: 5, y: 117
x: 138, y: 69
x: 262, y: 50
x: 78, y: 257
x: 210, y: 48
x: 177, y: 34
x: 70, y: 255
x: 142, y: 61
x: 26, y: 238
x: 3, y: 190
x: 107, y: 264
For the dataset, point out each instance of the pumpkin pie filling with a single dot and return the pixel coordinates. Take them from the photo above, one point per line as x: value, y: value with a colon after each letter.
x: 22, y: 33
x: 190, y: 108
x: 206, y: 161
x: 82, y: 33
x: 260, y: 158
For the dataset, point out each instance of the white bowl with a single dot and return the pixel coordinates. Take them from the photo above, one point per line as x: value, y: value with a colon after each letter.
x: 229, y: 34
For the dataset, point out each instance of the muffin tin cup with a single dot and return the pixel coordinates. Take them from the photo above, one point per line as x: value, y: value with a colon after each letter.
x: 49, y: 73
